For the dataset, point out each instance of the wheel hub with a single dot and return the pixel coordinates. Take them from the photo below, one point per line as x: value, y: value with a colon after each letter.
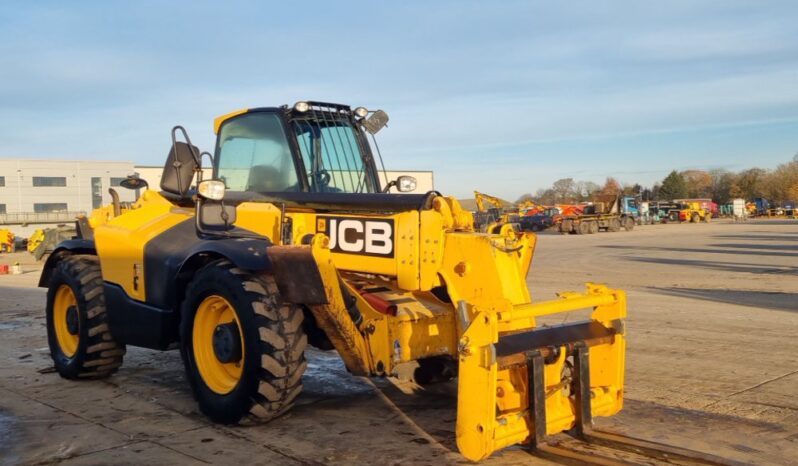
x: 227, y: 342
x: 72, y: 320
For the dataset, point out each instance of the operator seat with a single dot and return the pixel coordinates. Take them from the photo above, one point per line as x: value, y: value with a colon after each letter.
x: 264, y: 179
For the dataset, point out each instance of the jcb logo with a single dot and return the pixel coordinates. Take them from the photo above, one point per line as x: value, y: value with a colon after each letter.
x: 358, y: 235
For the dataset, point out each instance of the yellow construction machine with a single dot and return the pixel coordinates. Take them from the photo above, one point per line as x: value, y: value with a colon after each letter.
x: 43, y: 241
x: 294, y: 241
x: 6, y: 240
x: 493, y: 212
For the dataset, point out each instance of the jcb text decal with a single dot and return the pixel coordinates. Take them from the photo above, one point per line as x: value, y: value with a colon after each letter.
x: 358, y: 235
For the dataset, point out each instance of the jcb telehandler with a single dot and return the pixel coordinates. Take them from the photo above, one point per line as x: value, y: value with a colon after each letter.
x: 296, y: 241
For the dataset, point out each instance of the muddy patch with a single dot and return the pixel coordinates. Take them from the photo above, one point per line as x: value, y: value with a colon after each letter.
x: 7, y: 437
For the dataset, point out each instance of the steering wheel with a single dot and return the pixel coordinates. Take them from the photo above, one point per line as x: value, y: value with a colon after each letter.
x: 323, y: 178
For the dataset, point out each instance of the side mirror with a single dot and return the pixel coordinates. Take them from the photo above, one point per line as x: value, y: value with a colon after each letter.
x: 134, y: 182
x: 181, y: 164
x: 375, y: 122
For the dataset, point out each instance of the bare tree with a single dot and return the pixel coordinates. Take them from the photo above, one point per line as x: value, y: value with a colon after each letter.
x: 564, y: 188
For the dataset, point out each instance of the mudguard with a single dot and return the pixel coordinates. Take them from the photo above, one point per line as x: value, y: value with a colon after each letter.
x: 71, y: 246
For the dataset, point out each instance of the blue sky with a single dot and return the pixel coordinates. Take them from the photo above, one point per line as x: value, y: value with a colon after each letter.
x: 504, y: 97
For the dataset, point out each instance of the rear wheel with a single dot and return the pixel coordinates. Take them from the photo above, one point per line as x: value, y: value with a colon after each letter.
x: 594, y: 227
x: 695, y: 218
x: 566, y: 226
x: 80, y: 341
x: 629, y: 223
x: 242, y: 347
x: 615, y: 225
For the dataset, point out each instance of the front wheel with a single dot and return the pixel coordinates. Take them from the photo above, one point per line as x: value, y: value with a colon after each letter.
x: 242, y: 347
x: 629, y: 224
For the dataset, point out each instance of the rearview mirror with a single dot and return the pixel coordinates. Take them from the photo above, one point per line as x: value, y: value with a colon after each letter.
x: 375, y: 122
x: 215, y: 216
x: 134, y: 182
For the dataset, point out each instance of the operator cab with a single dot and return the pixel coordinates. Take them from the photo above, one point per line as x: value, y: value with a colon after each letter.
x: 311, y: 147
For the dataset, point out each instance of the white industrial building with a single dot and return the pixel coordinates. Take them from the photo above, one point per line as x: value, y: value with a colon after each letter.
x: 36, y: 193
x: 43, y: 193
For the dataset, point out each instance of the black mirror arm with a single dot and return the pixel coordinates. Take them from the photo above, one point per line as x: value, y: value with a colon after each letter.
x: 388, y: 186
x: 199, y: 165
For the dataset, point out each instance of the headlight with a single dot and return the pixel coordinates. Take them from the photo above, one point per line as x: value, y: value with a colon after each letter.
x: 211, y: 189
x: 362, y: 112
x: 405, y: 184
x: 302, y: 106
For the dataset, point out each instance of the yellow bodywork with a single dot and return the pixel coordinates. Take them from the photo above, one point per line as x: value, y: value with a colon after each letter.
x: 483, y: 275
x: 441, y: 290
x: 122, y: 239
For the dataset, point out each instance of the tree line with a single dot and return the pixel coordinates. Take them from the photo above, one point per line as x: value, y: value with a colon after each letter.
x: 777, y: 186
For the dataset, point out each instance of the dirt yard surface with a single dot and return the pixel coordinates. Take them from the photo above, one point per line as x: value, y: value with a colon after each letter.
x: 712, y: 364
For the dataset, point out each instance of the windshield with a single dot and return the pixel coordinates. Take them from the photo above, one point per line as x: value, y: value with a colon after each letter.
x: 253, y: 155
x: 331, y: 154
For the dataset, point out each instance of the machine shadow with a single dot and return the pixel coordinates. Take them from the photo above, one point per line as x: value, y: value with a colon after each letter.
x: 768, y: 237
x: 769, y: 247
x: 723, y: 266
x: 776, y: 300
x: 432, y: 408
x: 769, y: 251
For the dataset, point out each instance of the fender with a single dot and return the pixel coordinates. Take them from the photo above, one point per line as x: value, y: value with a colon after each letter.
x: 70, y: 246
x: 171, y: 259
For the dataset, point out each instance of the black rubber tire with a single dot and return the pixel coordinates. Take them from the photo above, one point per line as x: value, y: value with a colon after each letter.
x: 274, y: 344
x: 615, y: 225
x: 695, y: 218
x: 628, y: 224
x: 594, y: 228
x: 708, y: 218
x: 98, y: 355
x: 583, y: 228
x: 566, y: 227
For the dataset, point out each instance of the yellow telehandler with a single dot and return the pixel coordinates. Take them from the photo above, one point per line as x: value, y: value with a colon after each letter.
x: 294, y: 241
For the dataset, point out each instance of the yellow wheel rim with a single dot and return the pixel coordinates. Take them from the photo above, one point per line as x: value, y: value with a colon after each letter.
x: 64, y: 299
x: 219, y: 376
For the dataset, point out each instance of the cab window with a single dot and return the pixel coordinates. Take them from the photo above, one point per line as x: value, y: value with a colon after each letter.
x: 252, y: 154
x: 332, y: 156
